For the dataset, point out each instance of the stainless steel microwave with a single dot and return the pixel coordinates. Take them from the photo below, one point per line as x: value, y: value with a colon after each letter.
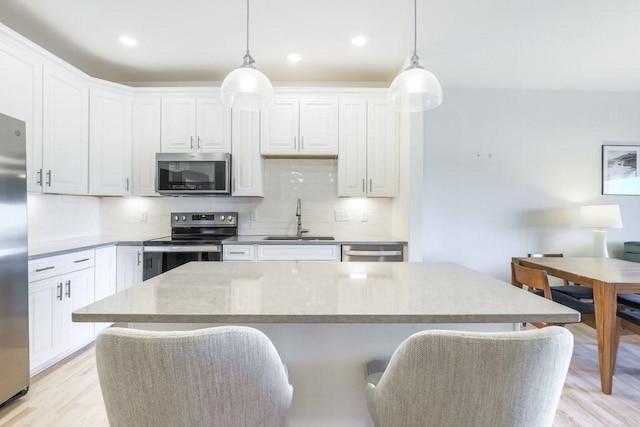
x: 195, y: 174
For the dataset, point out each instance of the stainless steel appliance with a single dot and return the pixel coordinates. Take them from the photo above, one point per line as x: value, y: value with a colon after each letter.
x: 14, y: 297
x: 195, y: 236
x: 373, y: 253
x: 193, y: 173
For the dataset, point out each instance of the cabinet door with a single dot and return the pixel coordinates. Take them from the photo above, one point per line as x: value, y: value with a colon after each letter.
x: 146, y: 143
x: 65, y: 132
x: 110, y: 143
x: 319, y: 126
x: 213, y: 126
x: 129, y: 266
x: 246, y: 163
x: 45, y: 316
x: 78, y: 292
x: 352, y: 157
x: 382, y: 150
x: 105, y: 269
x: 21, y: 97
x: 281, y: 125
x: 178, y: 125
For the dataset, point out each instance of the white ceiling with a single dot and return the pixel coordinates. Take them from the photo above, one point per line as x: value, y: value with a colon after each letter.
x: 550, y: 44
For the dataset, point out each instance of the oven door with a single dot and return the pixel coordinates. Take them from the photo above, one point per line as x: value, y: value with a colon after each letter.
x: 159, y: 259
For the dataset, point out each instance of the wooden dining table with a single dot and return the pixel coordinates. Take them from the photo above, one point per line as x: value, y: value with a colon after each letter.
x: 608, y: 277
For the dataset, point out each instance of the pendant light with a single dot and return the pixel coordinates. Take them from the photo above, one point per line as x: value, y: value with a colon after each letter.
x: 246, y: 88
x: 415, y: 89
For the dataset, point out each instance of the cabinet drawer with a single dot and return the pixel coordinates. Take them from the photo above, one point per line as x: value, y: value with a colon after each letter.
x: 238, y: 252
x: 298, y: 253
x: 52, y: 266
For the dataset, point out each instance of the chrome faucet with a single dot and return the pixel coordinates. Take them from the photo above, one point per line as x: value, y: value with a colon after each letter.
x: 299, y: 229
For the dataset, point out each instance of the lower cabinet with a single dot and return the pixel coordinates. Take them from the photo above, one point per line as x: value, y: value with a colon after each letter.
x: 106, y: 268
x: 129, y: 266
x: 238, y: 253
x: 298, y: 252
x: 64, y: 284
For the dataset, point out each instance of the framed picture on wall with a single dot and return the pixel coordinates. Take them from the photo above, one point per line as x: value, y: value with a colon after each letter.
x: 620, y: 169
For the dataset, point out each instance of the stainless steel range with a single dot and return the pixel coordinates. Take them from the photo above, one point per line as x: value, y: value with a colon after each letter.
x: 195, y: 236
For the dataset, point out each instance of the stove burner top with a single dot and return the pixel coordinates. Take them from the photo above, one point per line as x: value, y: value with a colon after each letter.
x: 198, y: 228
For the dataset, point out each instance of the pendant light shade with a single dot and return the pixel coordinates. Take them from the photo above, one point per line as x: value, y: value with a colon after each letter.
x: 415, y: 89
x: 246, y: 88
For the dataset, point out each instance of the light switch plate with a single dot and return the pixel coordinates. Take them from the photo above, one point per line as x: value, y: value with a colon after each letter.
x: 341, y: 216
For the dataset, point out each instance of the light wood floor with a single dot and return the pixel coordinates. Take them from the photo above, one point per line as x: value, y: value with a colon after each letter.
x: 68, y: 395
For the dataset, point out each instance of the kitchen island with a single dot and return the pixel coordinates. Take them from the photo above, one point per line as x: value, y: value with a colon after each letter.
x: 327, y: 319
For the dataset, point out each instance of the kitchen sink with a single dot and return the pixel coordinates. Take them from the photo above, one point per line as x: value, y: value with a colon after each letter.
x: 303, y: 238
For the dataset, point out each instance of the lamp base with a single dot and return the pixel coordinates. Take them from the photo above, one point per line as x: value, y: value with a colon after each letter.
x: 600, y: 244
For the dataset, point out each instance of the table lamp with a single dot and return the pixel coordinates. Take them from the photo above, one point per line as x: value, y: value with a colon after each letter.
x: 600, y: 217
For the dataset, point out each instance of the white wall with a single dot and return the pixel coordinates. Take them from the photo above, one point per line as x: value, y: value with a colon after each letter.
x: 506, y: 171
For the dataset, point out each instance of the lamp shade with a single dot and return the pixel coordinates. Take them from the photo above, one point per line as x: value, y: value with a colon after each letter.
x: 246, y: 89
x: 415, y: 89
x: 600, y: 216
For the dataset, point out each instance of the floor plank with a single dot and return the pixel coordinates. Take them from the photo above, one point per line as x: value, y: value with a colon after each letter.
x: 68, y: 395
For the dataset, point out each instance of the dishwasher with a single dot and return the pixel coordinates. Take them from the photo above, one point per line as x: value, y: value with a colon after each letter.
x: 373, y: 253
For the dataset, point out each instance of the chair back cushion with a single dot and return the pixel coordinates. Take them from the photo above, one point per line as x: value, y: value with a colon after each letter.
x: 222, y: 376
x: 453, y: 378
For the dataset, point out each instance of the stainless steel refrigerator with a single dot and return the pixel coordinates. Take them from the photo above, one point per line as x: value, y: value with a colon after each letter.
x: 14, y: 297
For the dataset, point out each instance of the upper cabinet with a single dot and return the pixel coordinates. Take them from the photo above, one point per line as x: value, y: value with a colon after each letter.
x: 146, y: 143
x: 247, y: 166
x: 65, y: 131
x: 198, y: 124
x: 21, y: 97
x: 368, y: 157
x: 109, y: 142
x: 301, y: 126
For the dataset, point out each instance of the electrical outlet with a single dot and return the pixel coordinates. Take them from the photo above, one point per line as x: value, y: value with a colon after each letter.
x: 144, y: 216
x: 253, y: 216
x: 359, y: 216
x: 341, y: 216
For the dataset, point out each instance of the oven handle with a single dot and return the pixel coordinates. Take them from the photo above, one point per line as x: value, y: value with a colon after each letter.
x: 192, y: 248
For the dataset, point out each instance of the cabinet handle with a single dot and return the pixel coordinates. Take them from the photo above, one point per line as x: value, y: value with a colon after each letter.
x: 127, y: 184
x: 198, y: 143
x: 302, y: 143
x: 68, y: 293
x: 39, y: 181
x: 234, y: 185
x: 295, y: 142
x: 236, y: 253
x: 363, y: 190
x: 138, y: 259
x: 38, y: 270
x: 192, y: 143
x: 59, y: 293
x: 81, y: 260
x: 49, y: 177
x: 370, y: 185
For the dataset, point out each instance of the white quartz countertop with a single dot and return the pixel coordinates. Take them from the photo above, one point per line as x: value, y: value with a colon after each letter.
x: 315, y: 292
x: 59, y: 247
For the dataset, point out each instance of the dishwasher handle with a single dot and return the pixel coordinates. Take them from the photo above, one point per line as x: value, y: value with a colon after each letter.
x: 351, y: 252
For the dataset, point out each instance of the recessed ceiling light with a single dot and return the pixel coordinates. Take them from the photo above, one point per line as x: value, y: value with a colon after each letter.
x: 129, y: 41
x: 359, y: 41
x: 294, y: 57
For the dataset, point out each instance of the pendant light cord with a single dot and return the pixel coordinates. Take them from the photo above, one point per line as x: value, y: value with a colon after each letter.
x: 415, y: 26
x: 247, y: 26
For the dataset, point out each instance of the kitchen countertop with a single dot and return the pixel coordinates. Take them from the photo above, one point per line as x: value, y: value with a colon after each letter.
x: 307, y: 292
x: 59, y: 247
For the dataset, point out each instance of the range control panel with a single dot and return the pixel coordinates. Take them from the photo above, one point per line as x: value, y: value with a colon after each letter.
x: 204, y: 219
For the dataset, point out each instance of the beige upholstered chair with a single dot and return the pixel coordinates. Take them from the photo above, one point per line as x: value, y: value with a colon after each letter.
x: 453, y: 378
x: 222, y: 376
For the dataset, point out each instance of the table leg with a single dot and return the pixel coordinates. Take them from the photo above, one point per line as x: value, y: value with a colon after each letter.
x: 604, y: 298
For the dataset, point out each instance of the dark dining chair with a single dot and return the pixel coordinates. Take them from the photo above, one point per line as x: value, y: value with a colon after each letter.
x: 537, y: 281
x: 575, y: 291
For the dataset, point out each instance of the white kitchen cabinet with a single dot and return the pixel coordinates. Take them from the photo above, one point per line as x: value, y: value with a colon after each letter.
x: 58, y: 285
x: 129, y: 270
x: 301, y: 126
x: 105, y: 276
x: 109, y: 142
x: 238, y: 252
x: 21, y: 97
x: 189, y: 124
x: 368, y: 156
x: 65, y: 131
x: 247, y: 166
x: 295, y: 252
x: 146, y: 143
